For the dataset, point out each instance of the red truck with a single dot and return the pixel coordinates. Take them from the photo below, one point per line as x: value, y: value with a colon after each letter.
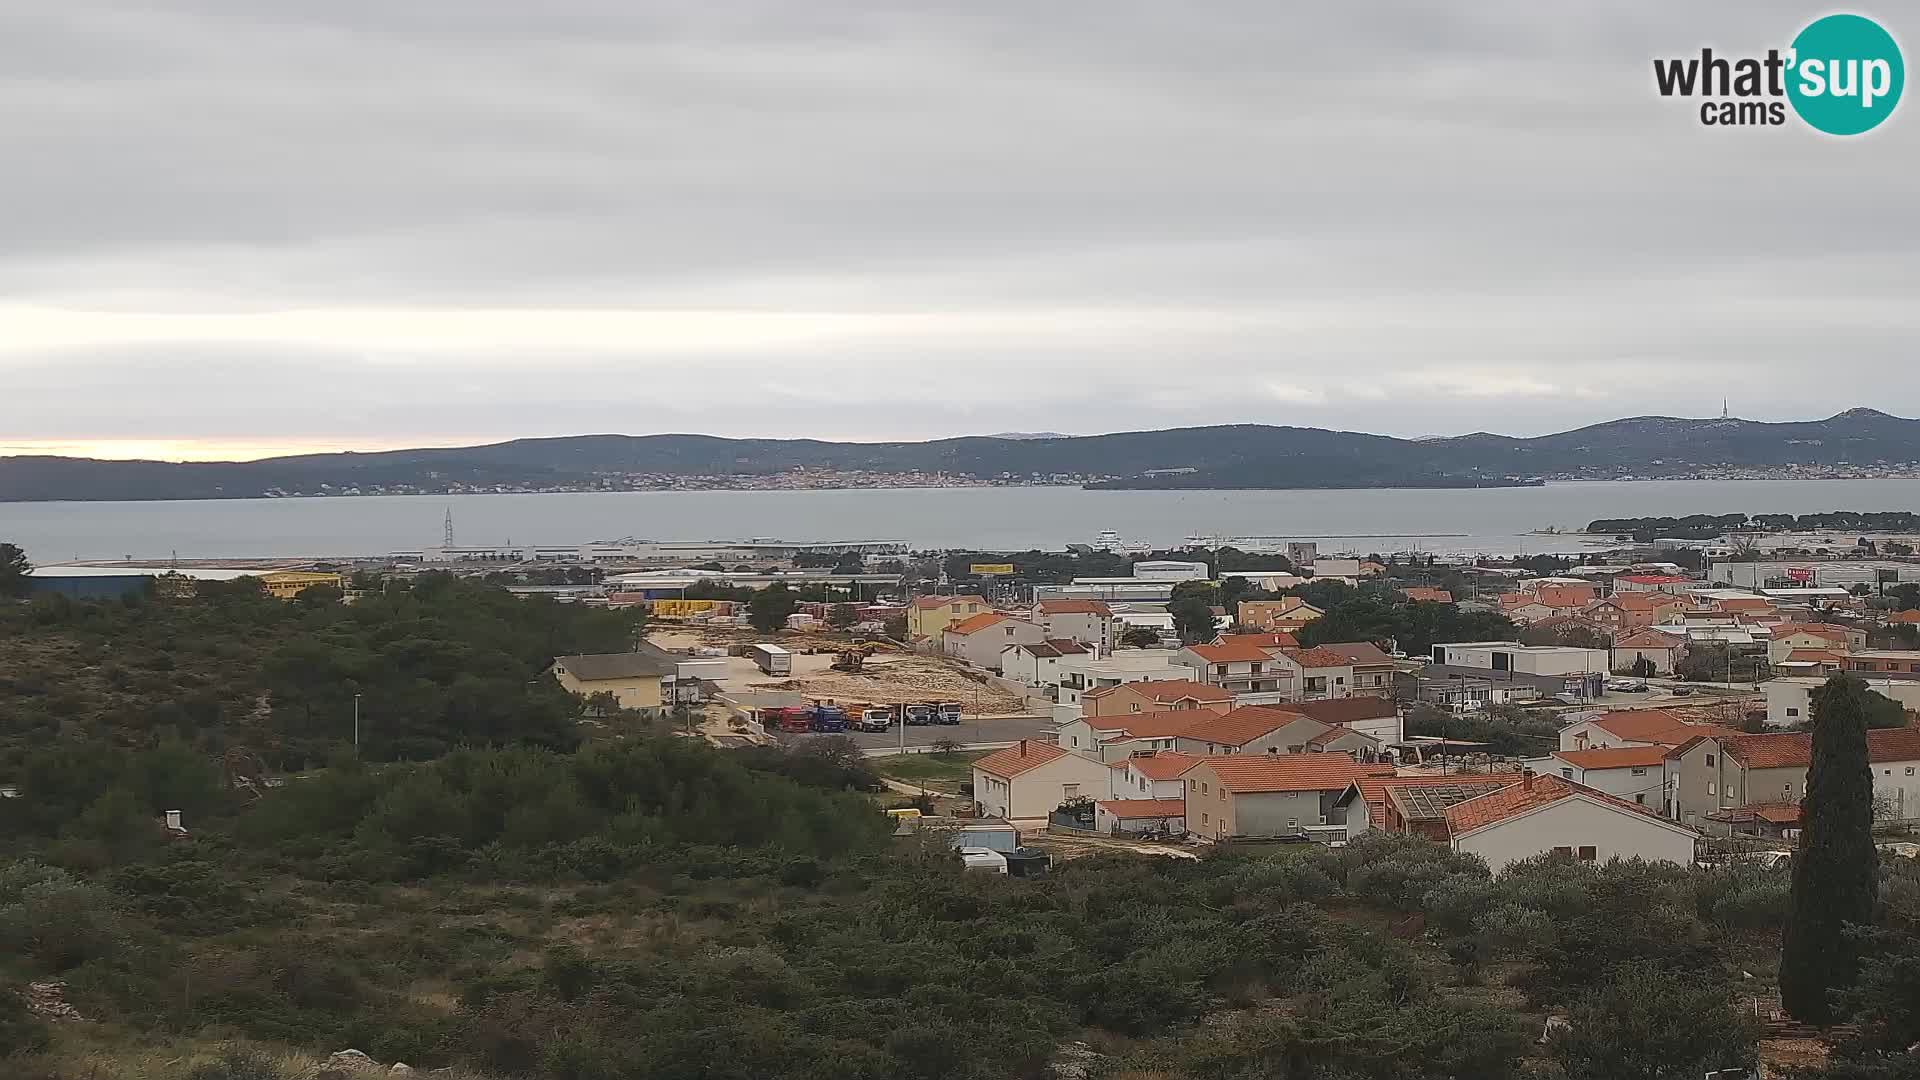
x: 796, y: 718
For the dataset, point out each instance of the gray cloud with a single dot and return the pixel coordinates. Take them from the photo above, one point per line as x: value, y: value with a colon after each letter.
x: 1077, y: 217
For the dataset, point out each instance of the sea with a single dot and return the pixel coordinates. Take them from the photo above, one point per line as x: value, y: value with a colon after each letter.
x: 1492, y: 521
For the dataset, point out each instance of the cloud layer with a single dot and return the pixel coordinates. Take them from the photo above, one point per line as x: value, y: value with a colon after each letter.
x: 364, y: 223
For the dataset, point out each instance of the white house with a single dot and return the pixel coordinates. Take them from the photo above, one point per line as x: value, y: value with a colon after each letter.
x: 1243, y: 669
x: 1633, y: 727
x: 1082, y: 673
x: 1656, y: 647
x: 1634, y: 773
x: 979, y: 640
x: 1037, y: 664
x: 1790, y: 700
x: 1089, y: 622
x: 1029, y: 779
x: 1523, y: 659
x: 1149, y: 775
x: 1141, y: 816
x: 1536, y: 815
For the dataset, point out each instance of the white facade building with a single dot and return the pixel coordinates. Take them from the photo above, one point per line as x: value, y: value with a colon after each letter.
x: 1523, y: 659
x: 1790, y: 700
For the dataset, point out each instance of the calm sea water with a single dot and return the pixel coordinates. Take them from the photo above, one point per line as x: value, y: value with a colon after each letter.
x: 1493, y: 520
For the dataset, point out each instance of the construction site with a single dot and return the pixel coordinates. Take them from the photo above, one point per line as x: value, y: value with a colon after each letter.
x: 830, y: 667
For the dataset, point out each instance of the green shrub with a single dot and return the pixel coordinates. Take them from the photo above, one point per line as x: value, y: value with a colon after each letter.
x: 21, y: 1032
x: 53, y: 918
x: 238, y: 1065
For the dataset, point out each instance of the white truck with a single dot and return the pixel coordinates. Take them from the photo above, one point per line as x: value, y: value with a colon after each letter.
x: 771, y: 659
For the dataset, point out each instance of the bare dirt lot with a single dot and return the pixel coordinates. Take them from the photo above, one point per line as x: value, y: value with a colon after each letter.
x: 889, y: 678
x: 906, y: 680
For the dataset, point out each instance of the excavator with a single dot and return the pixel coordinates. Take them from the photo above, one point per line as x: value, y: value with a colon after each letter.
x: 853, y: 660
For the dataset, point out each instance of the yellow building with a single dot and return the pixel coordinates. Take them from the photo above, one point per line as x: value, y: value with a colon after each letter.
x: 930, y: 616
x: 287, y: 584
x: 634, y: 679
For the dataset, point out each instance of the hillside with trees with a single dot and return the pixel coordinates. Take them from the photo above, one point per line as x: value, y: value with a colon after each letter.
x: 481, y: 893
x: 1219, y: 456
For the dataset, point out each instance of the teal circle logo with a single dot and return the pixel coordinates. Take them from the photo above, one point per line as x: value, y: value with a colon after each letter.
x: 1846, y: 74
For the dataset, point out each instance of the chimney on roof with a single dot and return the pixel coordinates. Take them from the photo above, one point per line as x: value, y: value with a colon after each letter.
x: 1526, y: 779
x: 1023, y: 748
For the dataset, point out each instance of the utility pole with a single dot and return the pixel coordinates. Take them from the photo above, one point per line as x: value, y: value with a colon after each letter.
x: 356, y: 725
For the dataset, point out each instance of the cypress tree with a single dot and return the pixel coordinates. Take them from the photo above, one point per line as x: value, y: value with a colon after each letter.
x: 1835, y: 870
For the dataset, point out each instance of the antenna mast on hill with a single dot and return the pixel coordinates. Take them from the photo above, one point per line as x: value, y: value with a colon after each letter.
x: 1723, y: 409
x: 447, y: 539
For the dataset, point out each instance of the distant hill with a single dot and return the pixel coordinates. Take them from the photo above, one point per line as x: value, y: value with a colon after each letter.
x: 1228, y: 456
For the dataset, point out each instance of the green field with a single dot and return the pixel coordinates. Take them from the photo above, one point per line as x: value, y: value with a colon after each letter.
x: 942, y: 771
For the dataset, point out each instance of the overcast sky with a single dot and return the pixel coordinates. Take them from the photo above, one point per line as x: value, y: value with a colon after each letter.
x: 237, y: 227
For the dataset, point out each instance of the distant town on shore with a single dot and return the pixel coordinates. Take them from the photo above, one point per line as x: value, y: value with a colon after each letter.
x: 1856, y: 444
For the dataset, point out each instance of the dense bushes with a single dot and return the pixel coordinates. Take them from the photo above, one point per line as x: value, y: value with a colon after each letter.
x: 527, y: 814
x: 437, y: 663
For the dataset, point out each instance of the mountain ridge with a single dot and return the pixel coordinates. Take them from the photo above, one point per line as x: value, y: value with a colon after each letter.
x: 1222, y: 456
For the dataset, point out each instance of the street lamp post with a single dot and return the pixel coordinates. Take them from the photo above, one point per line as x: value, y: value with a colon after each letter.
x: 356, y: 725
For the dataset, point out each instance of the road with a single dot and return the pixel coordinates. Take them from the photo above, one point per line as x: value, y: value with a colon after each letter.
x: 984, y: 733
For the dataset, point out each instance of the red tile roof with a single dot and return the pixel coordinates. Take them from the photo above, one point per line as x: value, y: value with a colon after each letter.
x: 1159, y: 765
x: 1647, y: 638
x: 1164, y: 690
x: 1905, y: 616
x: 1345, y: 710
x: 1229, y: 654
x: 1027, y: 755
x: 1255, y: 773
x: 1055, y: 647
x: 1135, y: 809
x: 1335, y: 734
x: 1827, y: 631
x: 976, y: 623
x: 1776, y: 812
x: 1319, y: 657
x: 1356, y: 652
x: 1419, y: 593
x: 1639, y: 601
x: 1812, y: 656
x: 1072, y: 607
x: 1654, y: 726
x: 1523, y: 795
x: 1619, y: 757
x: 1565, y: 596
x: 1794, y: 749
x: 1374, y: 789
x: 1261, y: 641
x: 1241, y: 726
x: 1165, y: 724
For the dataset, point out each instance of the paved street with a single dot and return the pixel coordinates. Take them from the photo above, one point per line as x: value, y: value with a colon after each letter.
x: 993, y: 730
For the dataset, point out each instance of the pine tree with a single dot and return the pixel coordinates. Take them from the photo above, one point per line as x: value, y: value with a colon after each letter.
x: 1835, y: 870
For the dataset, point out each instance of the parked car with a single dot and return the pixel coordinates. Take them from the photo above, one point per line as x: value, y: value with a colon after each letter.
x: 1682, y: 691
x: 1626, y: 686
